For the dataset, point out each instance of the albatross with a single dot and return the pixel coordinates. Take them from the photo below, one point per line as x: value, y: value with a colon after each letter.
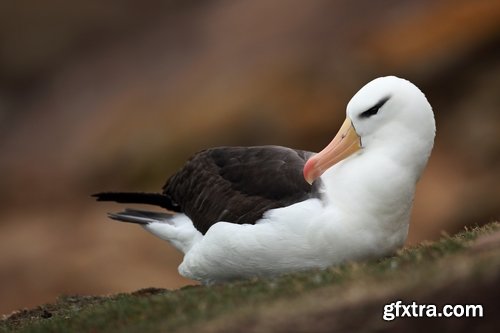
x: 242, y: 212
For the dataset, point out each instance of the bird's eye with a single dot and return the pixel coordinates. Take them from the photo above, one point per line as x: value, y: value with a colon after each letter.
x: 374, y: 109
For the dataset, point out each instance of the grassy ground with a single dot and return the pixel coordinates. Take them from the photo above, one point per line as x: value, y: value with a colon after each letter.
x: 463, y: 269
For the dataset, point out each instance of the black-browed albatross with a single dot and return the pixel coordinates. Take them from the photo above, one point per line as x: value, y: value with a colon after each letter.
x: 240, y: 212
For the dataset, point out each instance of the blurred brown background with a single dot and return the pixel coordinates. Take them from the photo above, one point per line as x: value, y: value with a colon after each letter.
x: 116, y: 95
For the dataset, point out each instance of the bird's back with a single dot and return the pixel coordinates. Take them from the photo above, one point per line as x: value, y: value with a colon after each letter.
x: 239, y: 184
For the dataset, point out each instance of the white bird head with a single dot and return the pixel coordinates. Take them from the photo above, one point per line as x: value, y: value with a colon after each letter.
x: 388, y: 113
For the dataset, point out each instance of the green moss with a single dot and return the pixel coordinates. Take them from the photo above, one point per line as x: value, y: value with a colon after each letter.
x: 159, y: 310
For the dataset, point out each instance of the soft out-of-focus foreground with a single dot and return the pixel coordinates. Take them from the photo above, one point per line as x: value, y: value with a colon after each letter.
x: 115, y: 96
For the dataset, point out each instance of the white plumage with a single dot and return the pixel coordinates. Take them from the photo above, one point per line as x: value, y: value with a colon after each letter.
x: 363, y: 211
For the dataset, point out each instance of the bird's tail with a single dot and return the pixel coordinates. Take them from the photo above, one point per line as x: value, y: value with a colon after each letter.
x: 177, y: 229
x: 140, y: 216
x: 155, y: 199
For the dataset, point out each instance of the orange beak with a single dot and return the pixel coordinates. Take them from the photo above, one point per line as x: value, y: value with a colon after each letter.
x: 344, y: 144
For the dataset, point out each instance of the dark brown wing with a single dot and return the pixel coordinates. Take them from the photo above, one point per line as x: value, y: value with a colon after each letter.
x: 239, y: 184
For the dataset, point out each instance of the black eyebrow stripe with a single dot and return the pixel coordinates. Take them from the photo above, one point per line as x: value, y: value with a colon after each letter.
x: 382, y: 102
x: 374, y: 109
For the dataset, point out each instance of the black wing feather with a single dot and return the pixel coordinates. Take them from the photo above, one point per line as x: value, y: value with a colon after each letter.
x: 155, y: 199
x: 239, y: 184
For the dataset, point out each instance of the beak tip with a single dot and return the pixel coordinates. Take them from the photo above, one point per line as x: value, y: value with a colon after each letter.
x: 309, y: 171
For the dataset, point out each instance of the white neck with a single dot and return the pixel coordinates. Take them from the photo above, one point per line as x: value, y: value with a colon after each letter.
x: 374, y: 187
